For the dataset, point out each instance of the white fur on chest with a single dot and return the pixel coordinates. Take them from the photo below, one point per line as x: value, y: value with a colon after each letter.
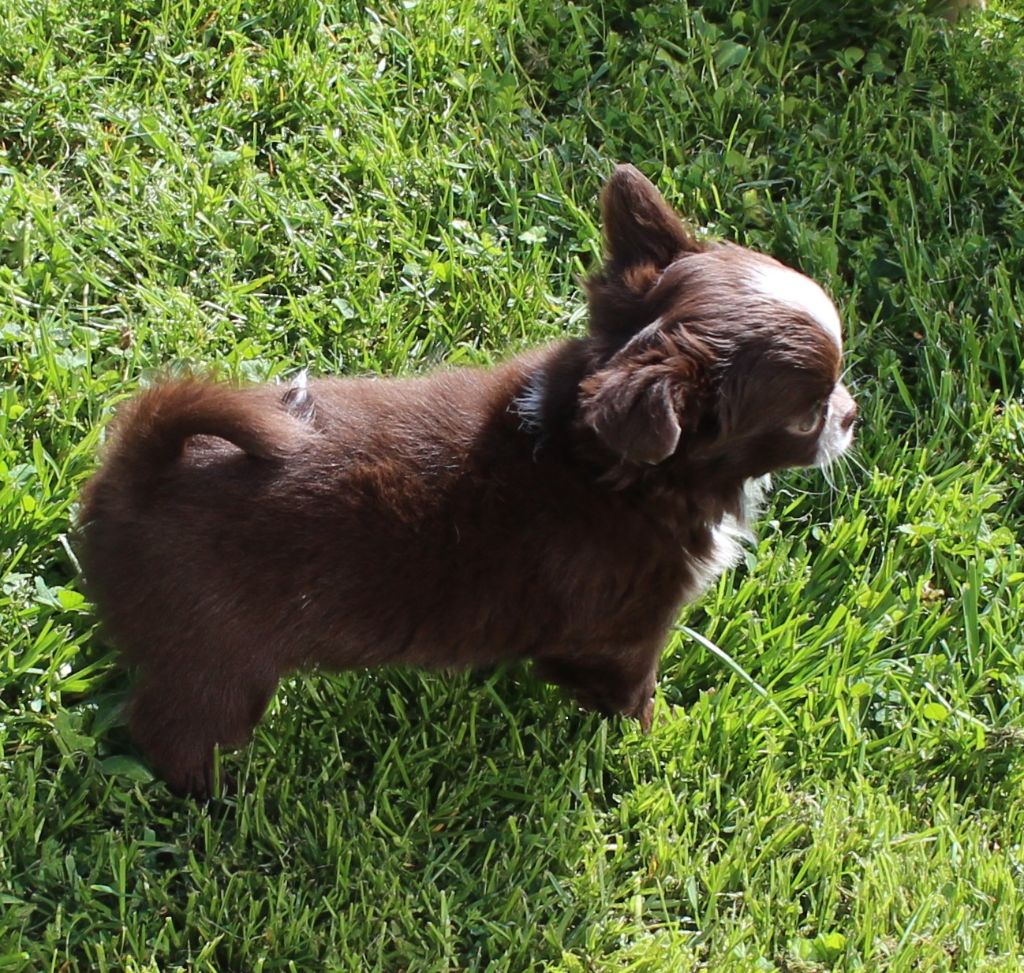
x: 727, y: 539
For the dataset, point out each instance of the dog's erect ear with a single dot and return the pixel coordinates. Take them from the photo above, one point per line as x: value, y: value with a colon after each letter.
x: 631, y: 402
x: 639, y: 226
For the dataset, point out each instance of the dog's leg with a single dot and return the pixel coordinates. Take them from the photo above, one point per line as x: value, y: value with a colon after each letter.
x: 621, y: 683
x: 177, y: 720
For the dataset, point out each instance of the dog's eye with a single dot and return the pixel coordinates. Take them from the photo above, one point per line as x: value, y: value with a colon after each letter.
x: 811, y: 419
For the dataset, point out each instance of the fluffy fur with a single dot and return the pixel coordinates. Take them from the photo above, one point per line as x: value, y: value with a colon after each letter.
x: 559, y: 508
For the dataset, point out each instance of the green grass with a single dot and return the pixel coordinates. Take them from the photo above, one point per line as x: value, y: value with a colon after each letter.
x: 261, y: 187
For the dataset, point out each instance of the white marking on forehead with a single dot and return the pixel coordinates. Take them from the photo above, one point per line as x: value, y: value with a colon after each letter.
x: 787, y: 286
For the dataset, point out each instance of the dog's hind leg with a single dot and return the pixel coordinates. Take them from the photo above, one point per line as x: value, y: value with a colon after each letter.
x: 178, y: 718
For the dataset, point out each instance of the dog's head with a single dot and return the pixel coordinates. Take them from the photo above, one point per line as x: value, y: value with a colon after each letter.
x: 710, y: 355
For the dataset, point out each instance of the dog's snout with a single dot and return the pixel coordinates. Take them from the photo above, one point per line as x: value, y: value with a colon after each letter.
x: 850, y: 417
x: 843, y: 407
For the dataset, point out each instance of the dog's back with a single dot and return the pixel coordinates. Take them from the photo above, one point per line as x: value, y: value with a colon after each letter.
x: 227, y: 540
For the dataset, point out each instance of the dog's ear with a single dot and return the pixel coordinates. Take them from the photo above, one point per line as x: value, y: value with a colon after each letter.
x: 640, y: 228
x: 632, y: 414
x: 634, y: 401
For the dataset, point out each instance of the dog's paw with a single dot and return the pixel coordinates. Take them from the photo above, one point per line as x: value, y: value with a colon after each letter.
x: 644, y: 714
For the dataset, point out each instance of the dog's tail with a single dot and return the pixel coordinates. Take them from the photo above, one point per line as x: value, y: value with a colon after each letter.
x: 149, y: 433
x: 151, y: 429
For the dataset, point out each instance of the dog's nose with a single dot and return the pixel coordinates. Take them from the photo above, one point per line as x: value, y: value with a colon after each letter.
x: 850, y: 417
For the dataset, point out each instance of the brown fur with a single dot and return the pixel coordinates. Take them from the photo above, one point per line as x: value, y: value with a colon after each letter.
x: 558, y: 508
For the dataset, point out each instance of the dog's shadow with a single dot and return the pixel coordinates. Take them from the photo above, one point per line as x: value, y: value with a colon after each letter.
x: 356, y: 732
x: 432, y: 733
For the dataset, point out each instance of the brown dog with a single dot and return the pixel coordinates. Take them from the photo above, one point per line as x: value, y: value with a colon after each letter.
x: 559, y: 508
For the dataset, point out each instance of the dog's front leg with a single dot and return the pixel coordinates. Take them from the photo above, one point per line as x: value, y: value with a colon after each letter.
x: 620, y: 683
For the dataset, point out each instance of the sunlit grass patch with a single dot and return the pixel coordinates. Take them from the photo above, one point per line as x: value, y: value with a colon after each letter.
x: 256, y: 189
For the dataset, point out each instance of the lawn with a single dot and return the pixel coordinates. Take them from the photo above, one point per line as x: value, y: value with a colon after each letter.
x: 258, y: 188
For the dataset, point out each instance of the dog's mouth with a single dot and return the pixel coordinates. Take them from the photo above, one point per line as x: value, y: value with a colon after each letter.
x: 831, y: 448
